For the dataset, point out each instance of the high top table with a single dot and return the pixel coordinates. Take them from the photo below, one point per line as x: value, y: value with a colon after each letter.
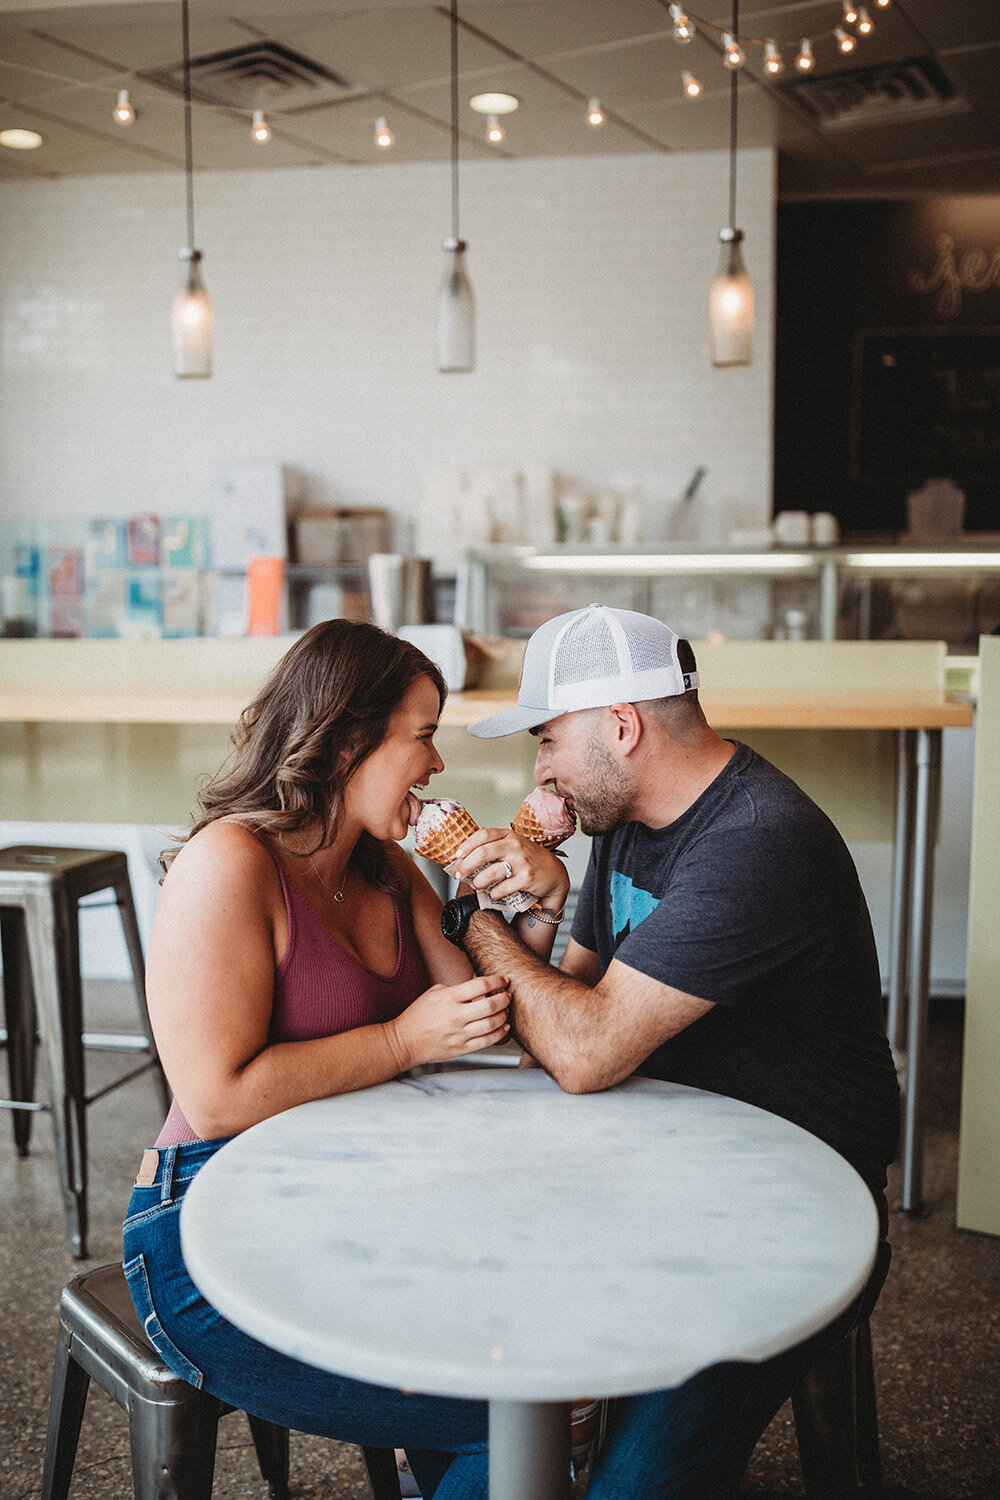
x: 480, y: 1233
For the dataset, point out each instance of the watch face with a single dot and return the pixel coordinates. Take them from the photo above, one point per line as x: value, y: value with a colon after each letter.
x: 455, y: 916
x: 451, y: 920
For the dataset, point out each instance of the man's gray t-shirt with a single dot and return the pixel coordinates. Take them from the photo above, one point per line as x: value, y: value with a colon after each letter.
x: 751, y: 900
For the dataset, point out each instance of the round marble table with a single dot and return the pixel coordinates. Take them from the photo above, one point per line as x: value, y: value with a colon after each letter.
x: 481, y: 1233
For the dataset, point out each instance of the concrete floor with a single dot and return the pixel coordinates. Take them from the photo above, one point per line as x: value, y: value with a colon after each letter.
x: 936, y: 1330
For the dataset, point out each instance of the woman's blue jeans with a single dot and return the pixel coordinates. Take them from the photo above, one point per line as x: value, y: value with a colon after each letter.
x: 690, y: 1443
x: 445, y: 1439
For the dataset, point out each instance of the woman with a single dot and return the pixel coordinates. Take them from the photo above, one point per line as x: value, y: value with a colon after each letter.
x: 297, y: 953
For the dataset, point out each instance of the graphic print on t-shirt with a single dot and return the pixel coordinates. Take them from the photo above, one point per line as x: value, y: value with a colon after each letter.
x: 630, y: 905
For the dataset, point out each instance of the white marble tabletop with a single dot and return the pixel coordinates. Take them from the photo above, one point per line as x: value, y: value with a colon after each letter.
x: 481, y: 1233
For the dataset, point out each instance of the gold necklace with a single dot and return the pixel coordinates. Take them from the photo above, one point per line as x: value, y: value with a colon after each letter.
x: 337, y: 895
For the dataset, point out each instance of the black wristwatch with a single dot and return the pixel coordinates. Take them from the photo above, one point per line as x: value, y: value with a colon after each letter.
x: 456, y: 915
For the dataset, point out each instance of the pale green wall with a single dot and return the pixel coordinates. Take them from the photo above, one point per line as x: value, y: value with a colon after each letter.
x: 979, y: 1137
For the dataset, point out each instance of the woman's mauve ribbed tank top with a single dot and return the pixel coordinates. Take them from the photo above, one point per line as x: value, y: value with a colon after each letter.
x: 320, y: 988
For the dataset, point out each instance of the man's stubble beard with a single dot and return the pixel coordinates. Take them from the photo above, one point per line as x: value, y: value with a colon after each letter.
x: 607, y: 802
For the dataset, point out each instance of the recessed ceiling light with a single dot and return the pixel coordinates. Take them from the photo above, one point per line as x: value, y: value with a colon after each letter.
x: 20, y: 140
x: 494, y: 104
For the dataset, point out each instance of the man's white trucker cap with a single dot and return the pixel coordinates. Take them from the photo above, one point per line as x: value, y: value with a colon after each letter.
x: 587, y: 659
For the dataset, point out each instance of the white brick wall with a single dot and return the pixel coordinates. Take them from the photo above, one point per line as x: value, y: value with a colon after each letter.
x: 591, y: 279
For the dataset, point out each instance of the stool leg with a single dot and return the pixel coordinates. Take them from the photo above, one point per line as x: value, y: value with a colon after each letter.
x: 54, y: 946
x: 869, y: 1454
x: 271, y: 1443
x: 824, y: 1408
x: 173, y: 1447
x: 69, y: 1397
x: 133, y: 941
x: 20, y: 1011
x: 383, y: 1475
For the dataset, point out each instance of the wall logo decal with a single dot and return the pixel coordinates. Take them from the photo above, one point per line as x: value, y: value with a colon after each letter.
x: 951, y: 275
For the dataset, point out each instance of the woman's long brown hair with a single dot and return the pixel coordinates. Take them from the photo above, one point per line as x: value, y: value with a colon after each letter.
x: 325, y: 707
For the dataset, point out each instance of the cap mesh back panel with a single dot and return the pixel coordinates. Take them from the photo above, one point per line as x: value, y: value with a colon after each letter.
x: 586, y: 651
x: 648, y: 652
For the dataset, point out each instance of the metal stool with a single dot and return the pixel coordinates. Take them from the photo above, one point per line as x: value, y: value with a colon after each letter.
x: 41, y: 888
x: 836, y: 1421
x: 173, y: 1426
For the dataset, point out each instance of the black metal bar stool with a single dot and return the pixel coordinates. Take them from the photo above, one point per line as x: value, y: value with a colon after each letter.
x: 41, y: 888
x: 173, y: 1426
x: 836, y: 1421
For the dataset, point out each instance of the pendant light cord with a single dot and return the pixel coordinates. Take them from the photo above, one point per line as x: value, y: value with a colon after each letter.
x: 454, y: 118
x: 734, y: 84
x: 188, y: 154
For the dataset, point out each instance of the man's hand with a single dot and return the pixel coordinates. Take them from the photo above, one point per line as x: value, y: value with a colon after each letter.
x: 587, y: 1037
x: 532, y: 867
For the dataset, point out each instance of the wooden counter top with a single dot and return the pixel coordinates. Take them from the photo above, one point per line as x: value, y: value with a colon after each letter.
x: 763, y: 708
x: 774, y: 708
x: 769, y: 685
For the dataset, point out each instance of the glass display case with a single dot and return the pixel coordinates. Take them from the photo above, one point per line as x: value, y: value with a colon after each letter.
x: 936, y: 591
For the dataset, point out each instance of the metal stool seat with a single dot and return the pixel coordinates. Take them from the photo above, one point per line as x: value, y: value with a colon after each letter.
x: 41, y: 888
x: 173, y: 1426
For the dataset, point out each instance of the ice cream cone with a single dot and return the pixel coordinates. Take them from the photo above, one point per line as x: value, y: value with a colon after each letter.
x: 544, y: 818
x: 441, y: 842
x: 527, y: 826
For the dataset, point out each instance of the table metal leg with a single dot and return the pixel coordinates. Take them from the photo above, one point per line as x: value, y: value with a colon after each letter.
x: 927, y: 799
x: 902, y: 890
x: 530, y: 1450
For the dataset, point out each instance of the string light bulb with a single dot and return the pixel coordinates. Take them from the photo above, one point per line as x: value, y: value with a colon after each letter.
x: 683, y: 30
x: 865, y: 23
x: 595, y: 114
x: 383, y: 135
x: 733, y: 56
x: 845, y: 41
x: 805, y: 61
x: 774, y: 63
x: 850, y: 12
x: 123, y: 112
x: 883, y: 4
x: 259, y: 128
x: 691, y: 85
x: 494, y: 130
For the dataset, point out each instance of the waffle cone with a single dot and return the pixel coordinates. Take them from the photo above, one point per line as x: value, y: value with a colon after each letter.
x: 440, y: 844
x: 527, y: 826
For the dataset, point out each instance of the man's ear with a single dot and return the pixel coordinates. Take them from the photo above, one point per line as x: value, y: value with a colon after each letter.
x: 625, y: 723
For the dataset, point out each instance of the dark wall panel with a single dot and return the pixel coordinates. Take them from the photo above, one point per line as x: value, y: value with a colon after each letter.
x: 888, y: 357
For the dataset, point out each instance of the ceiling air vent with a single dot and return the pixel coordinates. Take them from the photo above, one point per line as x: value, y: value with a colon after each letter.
x: 915, y: 89
x: 263, y: 75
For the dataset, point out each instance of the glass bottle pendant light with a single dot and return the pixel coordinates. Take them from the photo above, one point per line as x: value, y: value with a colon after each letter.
x: 456, y: 313
x: 731, y: 305
x: 191, y: 310
x: 191, y: 322
x: 731, y: 299
x: 456, y: 333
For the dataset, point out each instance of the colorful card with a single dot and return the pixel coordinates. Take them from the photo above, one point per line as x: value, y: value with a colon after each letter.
x: 143, y: 541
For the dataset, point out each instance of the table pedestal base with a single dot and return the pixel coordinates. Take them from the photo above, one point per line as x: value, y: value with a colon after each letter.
x: 530, y: 1450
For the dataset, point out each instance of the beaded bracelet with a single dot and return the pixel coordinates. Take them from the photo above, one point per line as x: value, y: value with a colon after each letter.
x: 539, y: 914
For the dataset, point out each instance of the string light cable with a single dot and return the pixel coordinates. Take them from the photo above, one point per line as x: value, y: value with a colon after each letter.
x: 733, y: 45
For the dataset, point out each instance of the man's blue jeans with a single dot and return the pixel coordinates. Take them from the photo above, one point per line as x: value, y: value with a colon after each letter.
x: 690, y: 1443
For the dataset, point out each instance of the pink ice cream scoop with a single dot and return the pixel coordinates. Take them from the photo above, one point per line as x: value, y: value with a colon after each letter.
x: 440, y: 826
x: 544, y: 818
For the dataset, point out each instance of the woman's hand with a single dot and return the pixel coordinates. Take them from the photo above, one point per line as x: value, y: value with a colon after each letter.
x: 450, y: 1019
x: 532, y: 867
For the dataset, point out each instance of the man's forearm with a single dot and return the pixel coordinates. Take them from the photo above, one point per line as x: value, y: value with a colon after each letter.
x: 550, y: 1015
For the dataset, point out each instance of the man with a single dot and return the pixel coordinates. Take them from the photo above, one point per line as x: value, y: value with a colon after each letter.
x: 722, y: 940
